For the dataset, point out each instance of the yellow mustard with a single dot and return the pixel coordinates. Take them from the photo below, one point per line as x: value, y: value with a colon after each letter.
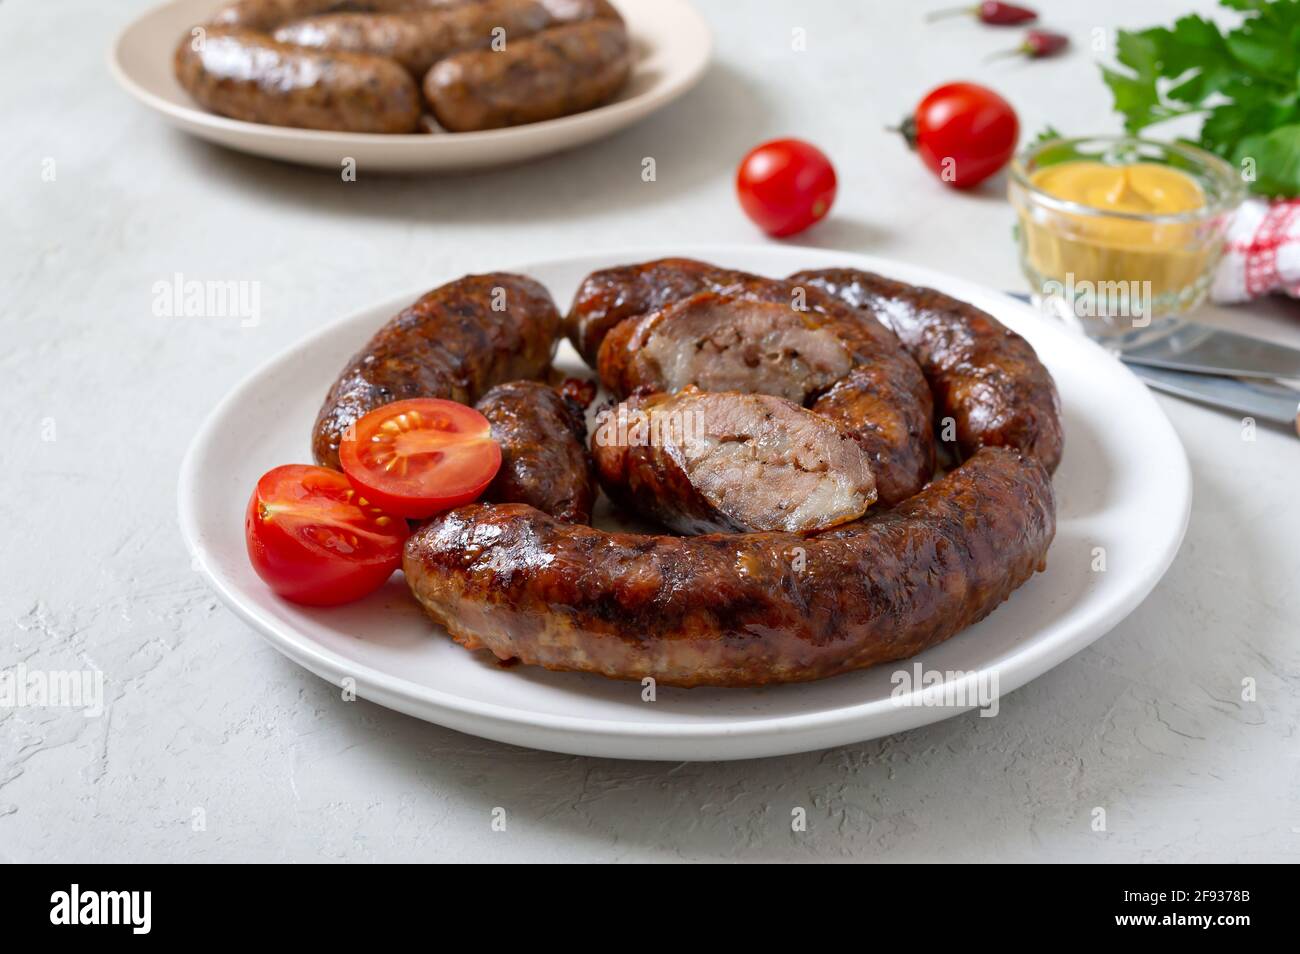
x: 1102, y: 248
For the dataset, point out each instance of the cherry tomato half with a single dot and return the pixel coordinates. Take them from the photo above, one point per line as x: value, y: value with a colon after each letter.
x: 313, y: 539
x: 785, y: 186
x: 420, y: 457
x: 964, y: 132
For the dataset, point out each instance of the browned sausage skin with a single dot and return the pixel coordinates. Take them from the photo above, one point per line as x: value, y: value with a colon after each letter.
x: 708, y: 461
x: 983, y: 375
x: 250, y: 77
x: 418, y: 39
x: 555, y: 73
x: 265, y: 15
x: 544, y: 462
x: 709, y: 320
x: 737, y: 610
x: 455, y: 343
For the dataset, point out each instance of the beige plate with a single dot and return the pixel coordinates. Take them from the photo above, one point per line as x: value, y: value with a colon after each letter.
x: 672, y: 44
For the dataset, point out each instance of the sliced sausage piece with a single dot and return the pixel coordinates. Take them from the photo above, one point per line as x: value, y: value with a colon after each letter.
x: 543, y: 439
x: 561, y: 71
x: 984, y: 376
x: 701, y: 462
x: 609, y: 297
x: 883, y: 398
x: 737, y: 610
x: 456, y: 342
x: 721, y: 343
x: 249, y: 76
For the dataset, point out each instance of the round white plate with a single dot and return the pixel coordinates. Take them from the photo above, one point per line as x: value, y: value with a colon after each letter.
x: 672, y: 43
x: 1124, y: 486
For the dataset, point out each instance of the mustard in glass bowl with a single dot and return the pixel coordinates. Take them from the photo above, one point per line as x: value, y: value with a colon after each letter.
x: 1116, y: 231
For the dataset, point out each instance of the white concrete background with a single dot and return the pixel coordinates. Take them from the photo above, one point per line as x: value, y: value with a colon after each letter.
x: 1148, y: 724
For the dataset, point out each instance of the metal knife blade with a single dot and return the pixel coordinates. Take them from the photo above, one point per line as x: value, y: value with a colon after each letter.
x: 1264, y: 400
x: 1201, y: 349
x: 1182, y: 345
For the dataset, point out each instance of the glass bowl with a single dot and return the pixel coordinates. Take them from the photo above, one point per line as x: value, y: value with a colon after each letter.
x: 1111, y: 271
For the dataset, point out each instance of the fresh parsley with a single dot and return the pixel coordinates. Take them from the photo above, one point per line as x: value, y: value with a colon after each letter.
x: 1245, y: 83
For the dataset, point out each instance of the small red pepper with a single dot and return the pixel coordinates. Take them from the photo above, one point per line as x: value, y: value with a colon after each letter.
x: 991, y: 12
x: 1038, y: 44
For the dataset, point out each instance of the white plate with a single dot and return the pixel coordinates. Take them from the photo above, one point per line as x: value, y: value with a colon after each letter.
x: 672, y: 43
x: 1124, y: 485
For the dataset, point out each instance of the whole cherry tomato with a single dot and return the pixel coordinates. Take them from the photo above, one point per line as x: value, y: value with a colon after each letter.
x: 785, y: 186
x: 964, y: 132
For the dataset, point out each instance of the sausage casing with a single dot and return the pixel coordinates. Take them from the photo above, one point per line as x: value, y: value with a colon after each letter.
x: 265, y: 15
x: 737, y: 610
x: 249, y: 76
x: 418, y: 39
x: 544, y: 460
x: 555, y: 73
x: 456, y: 342
x: 984, y: 376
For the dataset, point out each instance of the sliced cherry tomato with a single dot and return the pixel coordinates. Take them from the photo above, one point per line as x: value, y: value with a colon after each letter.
x: 313, y: 539
x: 420, y: 457
x: 964, y: 132
x: 785, y: 186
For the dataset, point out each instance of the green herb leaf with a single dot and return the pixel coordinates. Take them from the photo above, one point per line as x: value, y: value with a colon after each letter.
x: 1246, y: 82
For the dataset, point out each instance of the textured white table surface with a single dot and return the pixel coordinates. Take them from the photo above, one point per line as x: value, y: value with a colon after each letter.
x: 206, y: 727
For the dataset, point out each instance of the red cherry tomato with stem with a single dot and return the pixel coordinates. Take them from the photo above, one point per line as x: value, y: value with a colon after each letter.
x: 313, y: 539
x: 963, y: 132
x: 785, y: 186
x: 420, y: 457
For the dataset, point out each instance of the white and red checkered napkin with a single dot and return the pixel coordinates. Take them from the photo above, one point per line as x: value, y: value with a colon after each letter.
x: 1262, y: 253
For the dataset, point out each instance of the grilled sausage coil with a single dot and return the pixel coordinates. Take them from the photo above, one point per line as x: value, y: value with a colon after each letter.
x: 360, y: 65
x: 522, y: 575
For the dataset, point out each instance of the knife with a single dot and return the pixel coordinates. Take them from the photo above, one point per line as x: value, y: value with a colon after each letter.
x: 1188, y: 346
x: 1183, y: 345
x: 1263, y: 400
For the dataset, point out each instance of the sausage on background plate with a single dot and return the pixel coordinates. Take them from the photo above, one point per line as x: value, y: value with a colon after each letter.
x: 555, y: 73
x: 249, y: 76
x: 265, y: 15
x: 418, y: 39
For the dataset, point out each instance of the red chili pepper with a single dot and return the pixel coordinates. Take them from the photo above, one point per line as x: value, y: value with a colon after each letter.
x: 1038, y: 44
x: 991, y: 12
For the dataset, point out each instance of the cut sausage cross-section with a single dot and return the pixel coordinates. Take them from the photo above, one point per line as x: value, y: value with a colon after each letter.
x: 700, y: 462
